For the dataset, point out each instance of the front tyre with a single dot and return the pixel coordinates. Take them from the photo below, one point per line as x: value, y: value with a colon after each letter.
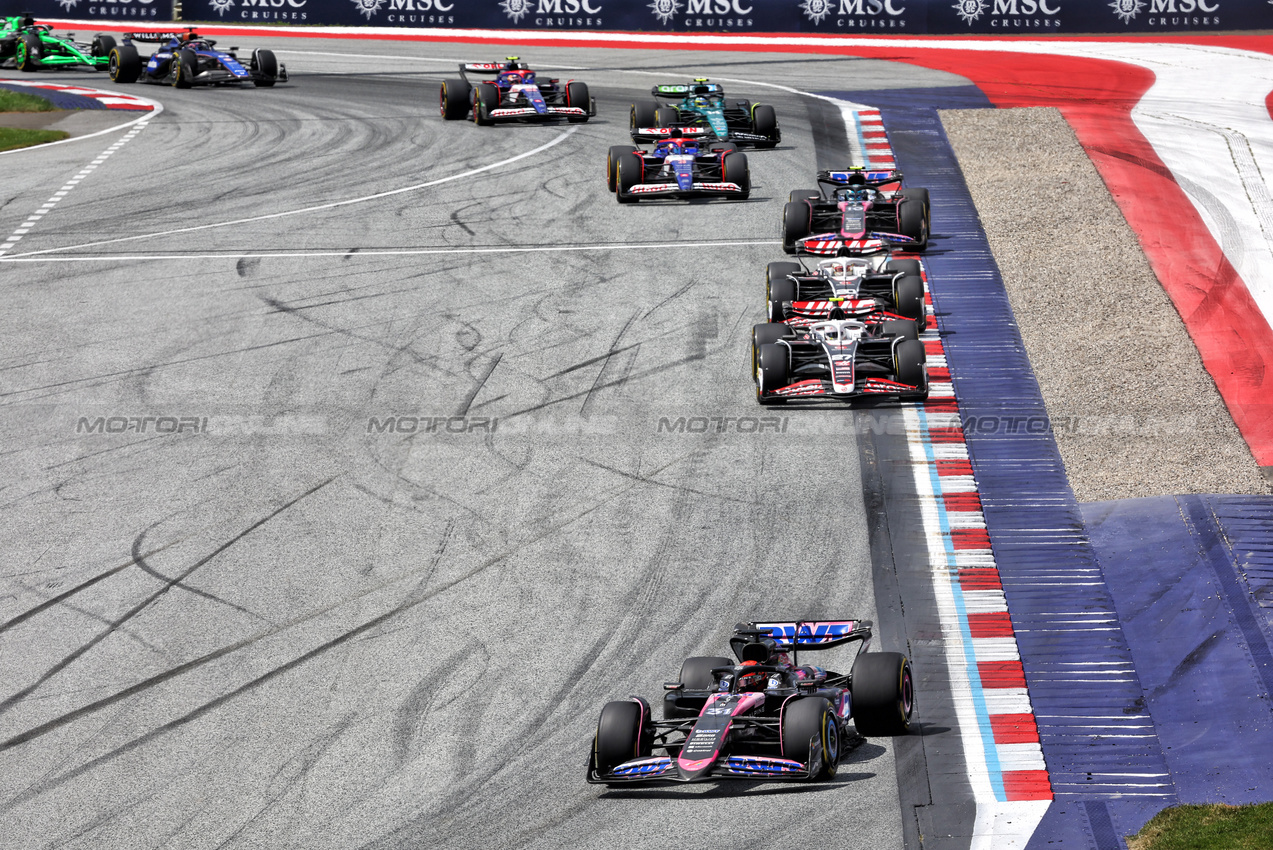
x: 734, y: 169
x: 808, y: 722
x: 577, y: 95
x: 612, y: 163
x: 883, y: 692
x: 629, y: 172
x: 797, y: 223
x: 486, y: 100
x: 185, y: 66
x: 266, y: 67
x: 27, y: 57
x: 620, y: 735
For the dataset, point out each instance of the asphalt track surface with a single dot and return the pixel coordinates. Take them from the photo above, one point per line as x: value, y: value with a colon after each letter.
x: 292, y: 630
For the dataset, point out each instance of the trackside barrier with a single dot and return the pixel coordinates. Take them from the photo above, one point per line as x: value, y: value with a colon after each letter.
x: 847, y: 17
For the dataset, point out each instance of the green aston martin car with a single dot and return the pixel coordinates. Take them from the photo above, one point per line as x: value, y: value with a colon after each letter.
x: 34, y: 47
x: 702, y: 104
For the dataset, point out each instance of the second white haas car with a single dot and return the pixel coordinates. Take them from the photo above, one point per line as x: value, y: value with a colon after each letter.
x: 513, y: 92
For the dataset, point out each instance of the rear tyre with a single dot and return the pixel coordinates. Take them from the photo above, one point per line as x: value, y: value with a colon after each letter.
x: 883, y: 694
x: 805, y: 195
x: 267, y: 67
x: 185, y: 66
x: 780, y: 290
x: 908, y: 296
x: 667, y: 115
x: 733, y: 169
x: 454, y: 99
x: 905, y: 328
x: 912, y: 216
x: 612, y: 163
x: 797, y: 222
x: 577, y: 95
x: 805, y: 720
x: 28, y: 54
x: 903, y: 266
x: 628, y: 173
x: 765, y: 334
x: 765, y: 123
x: 620, y: 735
x: 643, y: 115
x: 485, y: 99
x: 696, y: 672
x: 124, y: 65
x: 103, y: 44
x: 909, y: 361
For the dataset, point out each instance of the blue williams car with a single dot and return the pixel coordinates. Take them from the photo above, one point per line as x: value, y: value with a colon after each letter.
x: 682, y: 164
x: 188, y: 59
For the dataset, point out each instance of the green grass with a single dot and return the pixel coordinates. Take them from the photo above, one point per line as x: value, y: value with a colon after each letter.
x: 11, y: 138
x: 11, y: 101
x: 1214, y: 827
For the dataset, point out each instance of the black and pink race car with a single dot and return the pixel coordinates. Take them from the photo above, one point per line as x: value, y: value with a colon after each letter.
x: 764, y: 716
x: 854, y: 206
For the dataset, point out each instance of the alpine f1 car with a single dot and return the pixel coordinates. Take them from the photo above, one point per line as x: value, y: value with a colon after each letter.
x: 34, y: 47
x: 703, y: 104
x: 680, y: 165
x: 871, y: 288
x: 856, y: 205
x: 837, y: 360
x: 511, y: 92
x: 186, y: 59
x: 764, y: 716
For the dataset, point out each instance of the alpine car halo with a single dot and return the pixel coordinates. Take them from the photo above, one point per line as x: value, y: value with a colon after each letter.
x: 513, y: 92
x: 855, y: 205
x: 765, y: 716
x: 703, y: 104
x: 188, y: 59
x: 682, y: 164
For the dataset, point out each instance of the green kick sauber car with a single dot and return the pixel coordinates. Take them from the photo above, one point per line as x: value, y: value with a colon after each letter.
x: 702, y: 104
x: 33, y: 47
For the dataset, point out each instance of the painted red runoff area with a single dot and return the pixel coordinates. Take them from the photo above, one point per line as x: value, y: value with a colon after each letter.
x: 1001, y: 674
x: 1026, y: 784
x: 1014, y: 728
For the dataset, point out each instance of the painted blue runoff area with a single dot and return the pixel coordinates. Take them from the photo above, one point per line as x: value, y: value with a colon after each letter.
x: 62, y: 100
x: 1104, y: 757
x: 1192, y: 579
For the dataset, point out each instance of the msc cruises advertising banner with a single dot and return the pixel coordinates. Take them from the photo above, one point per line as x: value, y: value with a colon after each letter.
x: 846, y: 17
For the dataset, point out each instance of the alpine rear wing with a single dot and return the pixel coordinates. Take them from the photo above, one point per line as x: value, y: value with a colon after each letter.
x: 815, y: 634
x: 874, y: 179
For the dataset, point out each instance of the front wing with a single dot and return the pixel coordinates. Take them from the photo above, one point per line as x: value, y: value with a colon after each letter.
x: 523, y: 113
x: 663, y: 768
x: 698, y: 189
x: 819, y: 389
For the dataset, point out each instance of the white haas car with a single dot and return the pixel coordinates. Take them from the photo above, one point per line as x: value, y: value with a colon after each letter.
x: 872, y: 288
x: 836, y: 360
x: 512, y: 92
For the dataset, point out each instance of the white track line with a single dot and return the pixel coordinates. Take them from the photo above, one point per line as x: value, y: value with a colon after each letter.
x: 69, y: 186
x: 396, y: 252
x: 319, y: 208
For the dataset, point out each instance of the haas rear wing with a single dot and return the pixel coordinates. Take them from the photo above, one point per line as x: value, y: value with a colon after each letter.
x: 816, y: 634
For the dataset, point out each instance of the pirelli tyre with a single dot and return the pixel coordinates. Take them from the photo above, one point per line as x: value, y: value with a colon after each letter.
x: 765, y: 334
x: 883, y: 692
x: 124, y: 65
x: 643, y: 115
x: 797, y: 219
x: 485, y: 100
x: 778, y: 271
x: 781, y: 290
x: 265, y: 64
x: 764, y: 122
x: 773, y: 371
x: 621, y: 734
x: 454, y: 99
x: 102, y: 45
x: 734, y: 169
x: 908, y: 359
x: 629, y: 172
x: 28, y: 53
x: 577, y: 95
x: 612, y: 163
x: 185, y: 65
x: 667, y: 115
x: 808, y: 723
x: 913, y: 216
x: 908, y: 298
x: 905, y: 328
x: 903, y: 266
x: 804, y: 195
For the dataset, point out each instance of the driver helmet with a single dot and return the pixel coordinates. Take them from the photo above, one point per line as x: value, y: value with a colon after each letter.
x: 752, y: 681
x: 700, y: 102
